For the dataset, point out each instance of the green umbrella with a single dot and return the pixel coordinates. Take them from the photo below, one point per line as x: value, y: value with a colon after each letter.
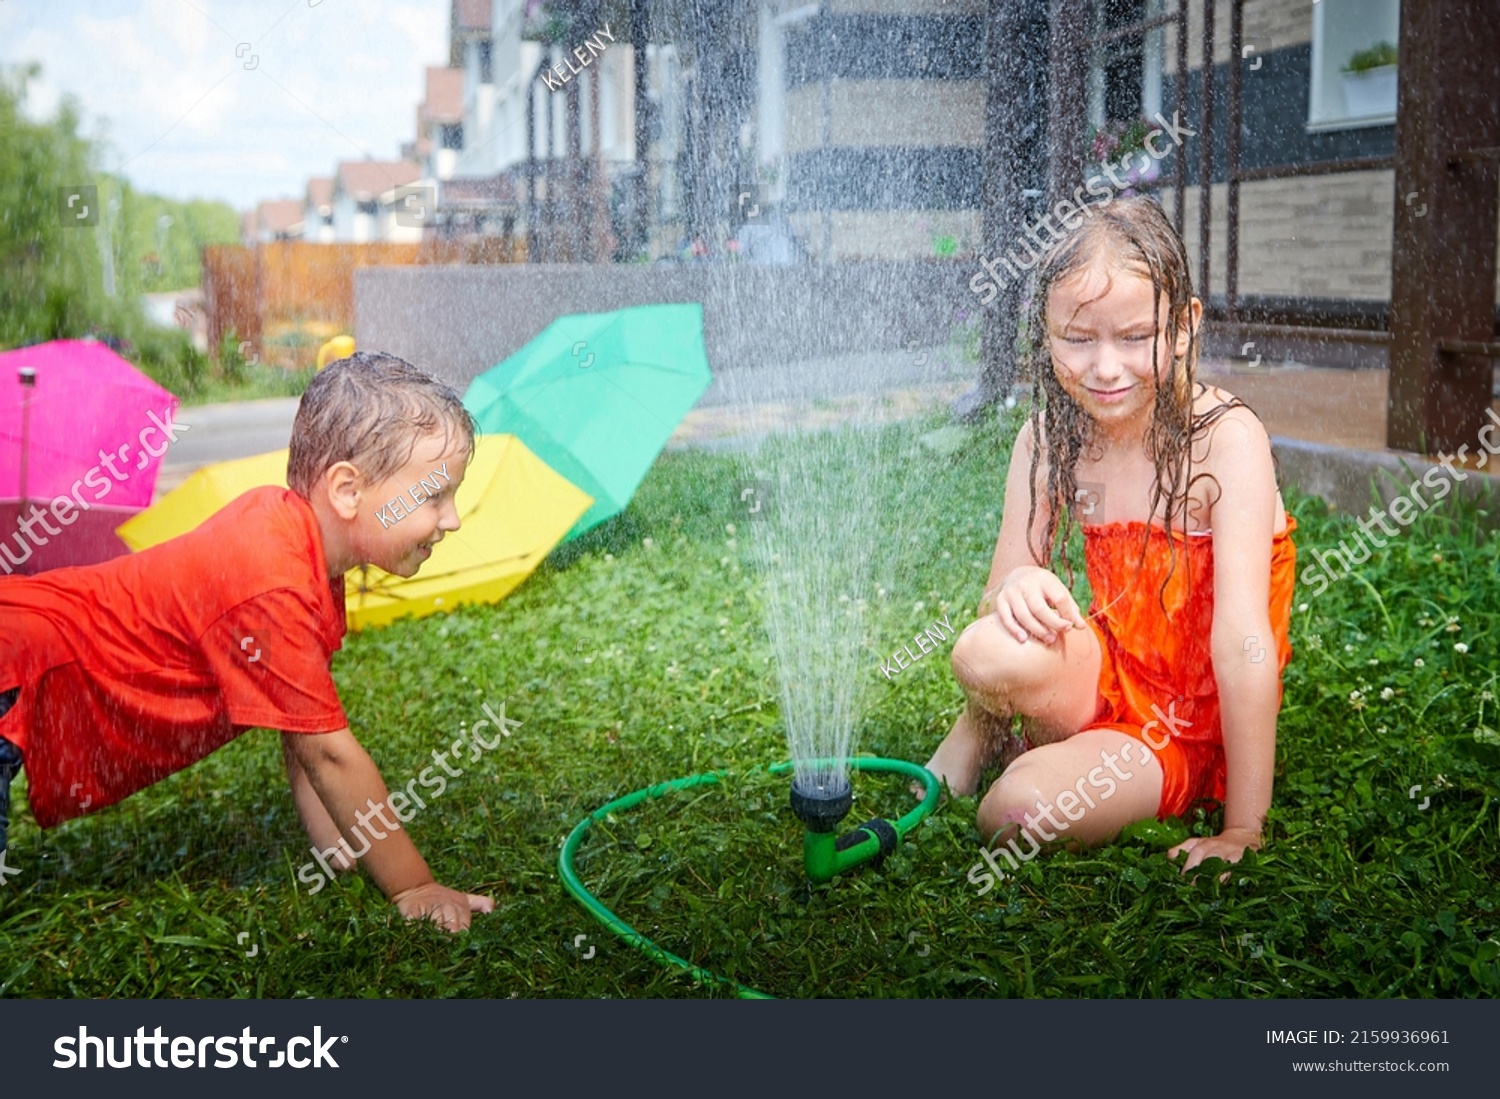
x: 597, y: 395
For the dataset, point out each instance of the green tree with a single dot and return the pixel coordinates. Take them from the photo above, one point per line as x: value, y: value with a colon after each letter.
x: 51, y: 277
x: 62, y: 276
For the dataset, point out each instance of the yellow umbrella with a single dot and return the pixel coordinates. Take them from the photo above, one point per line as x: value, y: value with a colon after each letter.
x: 513, y: 506
x: 204, y: 492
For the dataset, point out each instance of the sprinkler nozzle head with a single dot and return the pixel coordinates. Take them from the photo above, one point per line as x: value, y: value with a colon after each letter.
x: 821, y: 807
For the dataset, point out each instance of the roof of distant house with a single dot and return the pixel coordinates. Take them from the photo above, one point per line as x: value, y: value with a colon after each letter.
x: 472, y: 15
x: 278, y: 215
x: 364, y: 180
x: 320, y: 193
x: 445, y: 95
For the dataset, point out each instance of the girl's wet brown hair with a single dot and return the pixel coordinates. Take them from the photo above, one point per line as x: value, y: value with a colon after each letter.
x: 370, y: 409
x: 1134, y: 235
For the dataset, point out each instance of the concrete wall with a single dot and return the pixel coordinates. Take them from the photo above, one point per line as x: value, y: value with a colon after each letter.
x: 459, y: 321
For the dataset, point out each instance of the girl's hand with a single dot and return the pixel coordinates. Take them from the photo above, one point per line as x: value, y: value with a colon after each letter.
x: 1033, y: 602
x: 1229, y: 845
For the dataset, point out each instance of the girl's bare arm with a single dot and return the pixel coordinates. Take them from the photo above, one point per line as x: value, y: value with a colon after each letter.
x: 1245, y: 661
x: 1012, y: 550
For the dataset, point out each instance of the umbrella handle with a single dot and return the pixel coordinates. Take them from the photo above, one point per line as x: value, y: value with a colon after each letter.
x: 27, y: 377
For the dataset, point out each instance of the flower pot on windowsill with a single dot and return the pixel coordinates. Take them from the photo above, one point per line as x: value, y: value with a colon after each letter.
x: 1134, y: 169
x: 1141, y: 167
x: 1370, y: 93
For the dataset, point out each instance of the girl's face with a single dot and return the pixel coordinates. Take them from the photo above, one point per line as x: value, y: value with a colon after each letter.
x: 1100, y: 331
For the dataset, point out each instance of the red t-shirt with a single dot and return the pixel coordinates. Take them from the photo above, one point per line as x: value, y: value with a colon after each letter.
x: 133, y: 669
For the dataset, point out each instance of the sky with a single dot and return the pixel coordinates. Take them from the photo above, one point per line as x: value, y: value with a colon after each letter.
x: 236, y: 100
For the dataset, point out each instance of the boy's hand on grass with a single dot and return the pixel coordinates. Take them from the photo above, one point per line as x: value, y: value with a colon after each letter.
x: 1033, y: 602
x: 1229, y: 845
x: 448, y: 908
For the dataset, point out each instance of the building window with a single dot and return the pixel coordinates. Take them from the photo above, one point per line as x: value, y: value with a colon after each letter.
x: 1337, y: 98
x: 453, y: 135
x: 372, y: 207
x: 485, y: 76
x: 1125, y: 76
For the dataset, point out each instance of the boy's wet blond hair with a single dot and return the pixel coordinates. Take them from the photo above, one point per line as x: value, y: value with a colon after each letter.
x: 370, y: 410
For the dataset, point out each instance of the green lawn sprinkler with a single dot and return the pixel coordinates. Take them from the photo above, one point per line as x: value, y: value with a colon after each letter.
x: 820, y: 807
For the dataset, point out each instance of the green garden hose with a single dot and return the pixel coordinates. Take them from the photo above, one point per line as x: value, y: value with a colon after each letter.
x: 825, y: 856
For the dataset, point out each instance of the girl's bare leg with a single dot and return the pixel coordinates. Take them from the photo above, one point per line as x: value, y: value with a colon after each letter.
x: 1083, y: 789
x: 978, y: 739
x: 1054, y: 687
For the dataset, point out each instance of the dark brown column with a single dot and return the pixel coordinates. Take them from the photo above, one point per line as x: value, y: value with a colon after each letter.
x: 1014, y: 127
x: 640, y: 206
x: 1067, y: 96
x: 1443, y: 255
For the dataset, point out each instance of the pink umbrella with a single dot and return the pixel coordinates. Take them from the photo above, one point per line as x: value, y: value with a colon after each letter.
x: 82, y: 434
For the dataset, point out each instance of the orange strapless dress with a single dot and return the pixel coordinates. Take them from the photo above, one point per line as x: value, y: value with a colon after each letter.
x: 1156, y: 677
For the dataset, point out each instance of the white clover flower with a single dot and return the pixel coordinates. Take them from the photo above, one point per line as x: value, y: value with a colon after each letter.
x: 648, y: 542
x: 1419, y: 663
x: 729, y: 529
x: 1460, y: 647
x: 1302, y: 608
x: 1348, y: 648
x: 1356, y: 700
x: 1485, y: 696
x: 1386, y: 694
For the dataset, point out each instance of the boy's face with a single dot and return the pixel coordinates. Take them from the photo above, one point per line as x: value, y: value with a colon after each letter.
x: 397, y: 521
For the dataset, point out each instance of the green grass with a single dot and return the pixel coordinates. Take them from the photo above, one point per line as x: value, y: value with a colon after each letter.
x: 253, y: 382
x: 630, y: 662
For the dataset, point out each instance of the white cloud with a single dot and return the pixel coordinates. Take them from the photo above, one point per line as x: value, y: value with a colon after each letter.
x: 184, y: 114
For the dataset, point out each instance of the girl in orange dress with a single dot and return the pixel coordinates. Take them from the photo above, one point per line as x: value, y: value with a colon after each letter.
x: 1166, y: 693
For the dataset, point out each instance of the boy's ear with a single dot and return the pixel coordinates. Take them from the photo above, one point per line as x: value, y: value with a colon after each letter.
x: 344, y: 486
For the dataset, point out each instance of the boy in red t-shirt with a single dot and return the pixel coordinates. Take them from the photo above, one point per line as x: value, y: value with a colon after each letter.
x: 114, y: 676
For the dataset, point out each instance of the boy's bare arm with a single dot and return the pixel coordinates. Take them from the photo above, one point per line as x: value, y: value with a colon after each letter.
x: 315, y: 819
x: 350, y: 788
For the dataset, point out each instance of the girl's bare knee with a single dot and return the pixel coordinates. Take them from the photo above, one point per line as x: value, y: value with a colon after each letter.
x: 987, y: 660
x: 1013, y: 795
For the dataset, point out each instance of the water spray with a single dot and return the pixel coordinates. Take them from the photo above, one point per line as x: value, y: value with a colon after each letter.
x: 820, y: 800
